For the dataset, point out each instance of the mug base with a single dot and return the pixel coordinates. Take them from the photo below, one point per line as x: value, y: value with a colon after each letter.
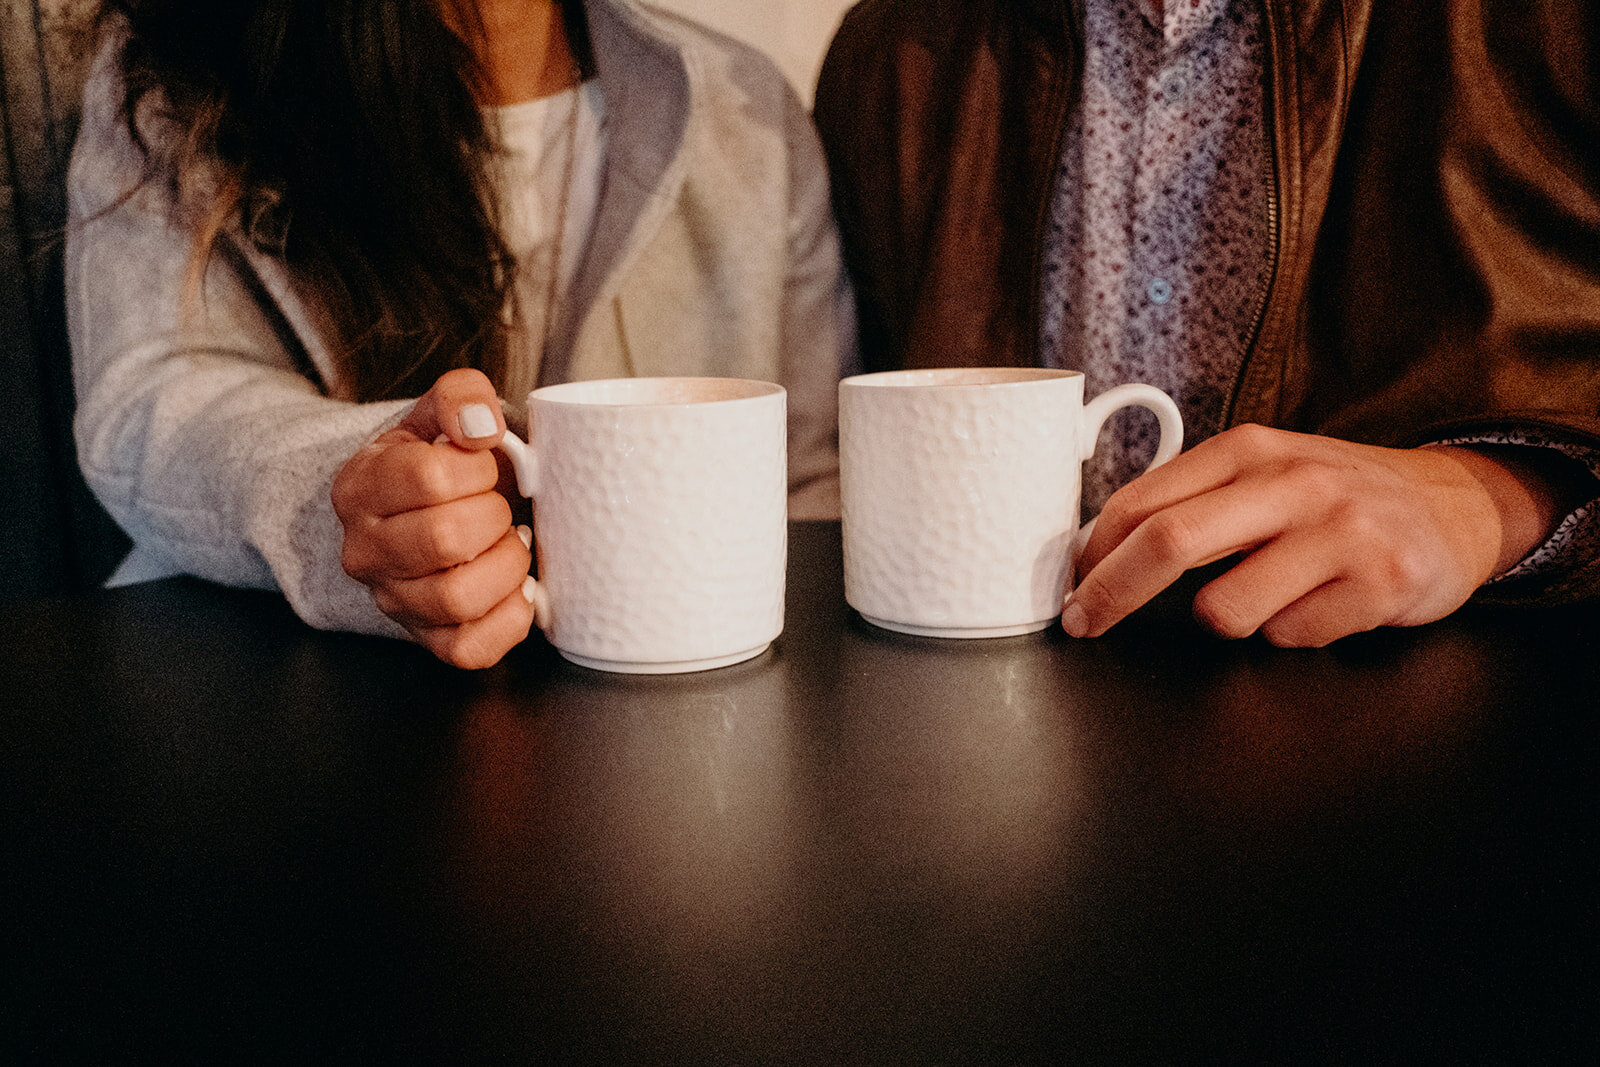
x: 682, y: 666
x: 962, y: 632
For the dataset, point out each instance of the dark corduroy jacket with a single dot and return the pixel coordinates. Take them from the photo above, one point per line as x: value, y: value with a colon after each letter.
x: 1435, y: 197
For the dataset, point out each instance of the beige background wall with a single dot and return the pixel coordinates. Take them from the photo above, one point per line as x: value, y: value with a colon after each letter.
x: 795, y: 33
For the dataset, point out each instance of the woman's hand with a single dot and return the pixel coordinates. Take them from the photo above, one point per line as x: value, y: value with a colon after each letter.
x: 1335, y: 537
x: 426, y: 529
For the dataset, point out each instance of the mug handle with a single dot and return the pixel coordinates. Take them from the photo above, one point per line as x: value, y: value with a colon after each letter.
x: 525, y: 462
x: 1098, y: 410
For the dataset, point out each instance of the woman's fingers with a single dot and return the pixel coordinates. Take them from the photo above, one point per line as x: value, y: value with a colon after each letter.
x: 390, y: 477
x: 1322, y: 616
x: 1272, y: 580
x: 414, y: 544
x: 461, y: 594
x: 484, y: 641
x: 427, y: 531
x: 462, y: 406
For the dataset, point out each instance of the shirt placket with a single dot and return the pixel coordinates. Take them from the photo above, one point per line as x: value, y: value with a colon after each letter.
x: 1158, y: 295
x: 1131, y: 263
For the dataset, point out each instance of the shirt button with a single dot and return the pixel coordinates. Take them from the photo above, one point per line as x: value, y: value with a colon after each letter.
x: 1175, y: 85
x: 1159, y: 291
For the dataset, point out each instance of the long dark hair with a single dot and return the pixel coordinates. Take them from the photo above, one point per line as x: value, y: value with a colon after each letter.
x: 345, y: 136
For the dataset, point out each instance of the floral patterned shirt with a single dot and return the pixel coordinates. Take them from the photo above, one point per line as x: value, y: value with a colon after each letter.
x: 1157, y: 256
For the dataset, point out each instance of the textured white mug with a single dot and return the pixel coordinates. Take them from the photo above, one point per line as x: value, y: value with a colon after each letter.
x: 961, y: 493
x: 659, y: 519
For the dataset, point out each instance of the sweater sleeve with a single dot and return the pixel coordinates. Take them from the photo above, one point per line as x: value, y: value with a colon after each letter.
x: 200, y: 425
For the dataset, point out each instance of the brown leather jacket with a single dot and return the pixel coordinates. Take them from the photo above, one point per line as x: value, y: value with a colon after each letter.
x: 1435, y: 195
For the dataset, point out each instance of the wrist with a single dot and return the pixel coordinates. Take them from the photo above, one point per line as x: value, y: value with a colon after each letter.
x: 1531, y: 490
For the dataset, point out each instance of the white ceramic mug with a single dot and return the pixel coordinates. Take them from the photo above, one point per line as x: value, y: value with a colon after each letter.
x: 659, y: 519
x: 961, y: 493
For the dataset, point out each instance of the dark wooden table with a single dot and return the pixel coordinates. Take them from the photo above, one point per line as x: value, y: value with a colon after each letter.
x: 228, y: 837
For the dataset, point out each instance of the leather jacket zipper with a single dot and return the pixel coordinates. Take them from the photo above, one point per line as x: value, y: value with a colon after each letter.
x: 1269, y: 170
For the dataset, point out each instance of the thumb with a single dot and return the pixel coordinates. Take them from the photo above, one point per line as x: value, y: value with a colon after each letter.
x: 462, y: 406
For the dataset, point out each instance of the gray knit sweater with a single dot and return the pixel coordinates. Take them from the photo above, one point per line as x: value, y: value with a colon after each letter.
x: 212, y: 429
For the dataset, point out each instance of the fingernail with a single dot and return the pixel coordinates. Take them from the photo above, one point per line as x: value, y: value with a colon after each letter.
x: 477, y: 421
x: 526, y: 533
x: 529, y: 585
x: 1073, y: 619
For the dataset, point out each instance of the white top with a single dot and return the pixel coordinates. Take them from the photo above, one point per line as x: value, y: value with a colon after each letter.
x: 531, y: 179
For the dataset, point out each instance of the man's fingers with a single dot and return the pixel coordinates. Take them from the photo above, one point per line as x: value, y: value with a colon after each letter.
x: 1270, y: 581
x: 1192, y: 533
x: 1327, y: 613
x: 1210, y: 465
x: 461, y: 594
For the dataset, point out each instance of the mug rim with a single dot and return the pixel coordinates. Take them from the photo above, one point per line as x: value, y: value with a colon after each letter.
x: 959, y: 377
x: 739, y: 391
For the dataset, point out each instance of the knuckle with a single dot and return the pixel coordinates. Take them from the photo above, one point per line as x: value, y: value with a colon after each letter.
x: 355, y: 557
x: 497, y: 513
x: 352, y: 489
x: 1129, y: 499
x: 343, y: 493
x: 444, y: 539
x: 428, y: 477
x: 1382, y: 557
x: 484, y: 642
x: 1171, y: 537
x: 1285, y: 635
x: 386, y: 602
x: 1405, y: 569
x: 1254, y: 438
x: 1354, y: 526
x: 457, y: 646
x: 454, y: 598
x: 1221, y: 612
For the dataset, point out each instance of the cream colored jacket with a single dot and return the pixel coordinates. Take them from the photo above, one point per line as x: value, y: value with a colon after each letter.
x: 213, y: 435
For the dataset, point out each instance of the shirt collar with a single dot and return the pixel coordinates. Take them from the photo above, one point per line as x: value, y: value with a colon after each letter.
x: 1178, y: 20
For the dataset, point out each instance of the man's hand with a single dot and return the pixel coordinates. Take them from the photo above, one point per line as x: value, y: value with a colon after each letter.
x: 427, y: 531
x: 1336, y: 537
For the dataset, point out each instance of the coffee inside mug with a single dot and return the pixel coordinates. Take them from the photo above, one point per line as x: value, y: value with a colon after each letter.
x: 640, y: 392
x: 960, y: 377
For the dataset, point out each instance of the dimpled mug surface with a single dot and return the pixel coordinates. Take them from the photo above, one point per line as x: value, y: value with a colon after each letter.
x: 960, y: 493
x: 660, y: 519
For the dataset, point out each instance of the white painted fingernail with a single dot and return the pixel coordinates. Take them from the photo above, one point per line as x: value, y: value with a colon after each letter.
x: 477, y: 421
x: 526, y: 533
x: 529, y: 588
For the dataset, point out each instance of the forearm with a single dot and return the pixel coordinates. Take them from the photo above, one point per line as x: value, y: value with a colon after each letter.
x: 222, y: 468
